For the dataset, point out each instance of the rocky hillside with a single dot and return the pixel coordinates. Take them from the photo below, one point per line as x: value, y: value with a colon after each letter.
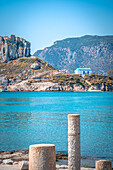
x: 34, y: 74
x: 95, y: 52
x: 22, y: 72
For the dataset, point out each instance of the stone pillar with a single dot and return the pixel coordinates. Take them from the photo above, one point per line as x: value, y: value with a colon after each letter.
x: 103, y: 165
x: 74, y: 157
x: 2, y: 51
x: 27, y: 49
x: 42, y: 157
x: 6, y: 52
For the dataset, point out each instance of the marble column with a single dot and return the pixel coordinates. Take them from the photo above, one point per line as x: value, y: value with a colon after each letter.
x: 103, y: 165
x: 74, y: 142
x: 42, y: 157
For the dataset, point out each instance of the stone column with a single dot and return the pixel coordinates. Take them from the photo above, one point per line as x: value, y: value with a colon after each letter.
x: 74, y: 142
x: 103, y: 165
x: 42, y: 157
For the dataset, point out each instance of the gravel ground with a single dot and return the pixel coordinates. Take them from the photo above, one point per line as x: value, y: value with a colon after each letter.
x: 58, y: 167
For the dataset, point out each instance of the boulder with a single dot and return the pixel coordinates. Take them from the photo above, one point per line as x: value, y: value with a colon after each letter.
x: 17, y: 77
x: 15, y: 163
x: 33, y: 72
x: 78, y: 87
x: 24, y: 165
x: 4, y: 80
x: 35, y: 66
x: 8, y: 161
x: 0, y: 161
x: 94, y: 87
x: 25, y: 71
x: 9, y: 152
x: 3, y: 70
x: 20, y: 75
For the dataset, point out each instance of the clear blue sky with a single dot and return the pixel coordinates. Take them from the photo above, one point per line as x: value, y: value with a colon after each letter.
x: 44, y: 21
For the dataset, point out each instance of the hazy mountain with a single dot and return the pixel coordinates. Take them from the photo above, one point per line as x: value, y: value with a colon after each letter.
x: 95, y: 52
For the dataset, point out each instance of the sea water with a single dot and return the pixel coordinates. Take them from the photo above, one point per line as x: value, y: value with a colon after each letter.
x: 41, y: 117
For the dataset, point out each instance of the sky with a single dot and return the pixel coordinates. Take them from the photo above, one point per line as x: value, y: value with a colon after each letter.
x: 44, y: 21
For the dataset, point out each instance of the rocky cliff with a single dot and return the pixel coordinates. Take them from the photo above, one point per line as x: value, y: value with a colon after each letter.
x: 13, y: 47
x: 95, y: 52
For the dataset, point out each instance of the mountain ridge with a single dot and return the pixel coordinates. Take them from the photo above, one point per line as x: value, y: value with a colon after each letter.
x: 91, y: 51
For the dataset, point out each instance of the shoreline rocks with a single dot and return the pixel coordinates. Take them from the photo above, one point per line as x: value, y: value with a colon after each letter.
x: 8, y: 161
x: 20, y: 158
x: 50, y: 86
x: 23, y: 155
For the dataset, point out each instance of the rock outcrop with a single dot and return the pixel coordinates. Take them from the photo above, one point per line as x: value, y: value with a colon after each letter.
x: 35, y: 66
x: 13, y: 47
x: 3, y: 80
x: 50, y: 86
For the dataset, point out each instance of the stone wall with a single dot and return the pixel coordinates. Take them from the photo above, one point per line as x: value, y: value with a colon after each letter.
x: 13, y: 47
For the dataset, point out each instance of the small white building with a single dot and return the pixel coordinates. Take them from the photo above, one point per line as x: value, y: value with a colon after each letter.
x: 83, y: 71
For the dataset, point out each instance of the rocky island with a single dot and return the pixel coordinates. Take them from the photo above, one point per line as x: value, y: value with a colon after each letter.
x: 34, y: 74
x: 19, y: 71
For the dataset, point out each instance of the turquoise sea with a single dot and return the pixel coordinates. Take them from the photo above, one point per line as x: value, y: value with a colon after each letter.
x: 41, y: 117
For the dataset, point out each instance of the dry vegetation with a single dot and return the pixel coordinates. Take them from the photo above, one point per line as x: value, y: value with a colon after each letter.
x: 19, y: 70
x: 95, y: 79
x: 21, y: 67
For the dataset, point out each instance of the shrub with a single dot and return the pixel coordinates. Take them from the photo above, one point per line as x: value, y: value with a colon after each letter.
x: 28, y: 83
